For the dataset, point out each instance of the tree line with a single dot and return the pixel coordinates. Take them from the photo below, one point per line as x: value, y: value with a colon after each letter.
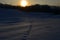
x: 34, y: 8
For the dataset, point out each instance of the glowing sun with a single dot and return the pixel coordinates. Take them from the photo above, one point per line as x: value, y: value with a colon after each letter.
x: 23, y: 3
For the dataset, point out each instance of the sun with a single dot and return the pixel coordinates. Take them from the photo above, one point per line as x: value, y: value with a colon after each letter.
x: 23, y: 3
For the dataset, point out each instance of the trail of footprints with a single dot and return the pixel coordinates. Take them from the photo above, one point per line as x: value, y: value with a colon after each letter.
x: 21, y: 31
x: 15, y: 33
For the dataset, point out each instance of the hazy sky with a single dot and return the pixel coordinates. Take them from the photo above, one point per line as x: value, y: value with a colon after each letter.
x: 49, y: 2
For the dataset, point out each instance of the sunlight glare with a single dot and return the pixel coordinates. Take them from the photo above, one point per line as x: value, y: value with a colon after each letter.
x: 23, y: 3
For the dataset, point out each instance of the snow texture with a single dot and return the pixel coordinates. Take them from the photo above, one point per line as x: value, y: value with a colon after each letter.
x: 18, y: 25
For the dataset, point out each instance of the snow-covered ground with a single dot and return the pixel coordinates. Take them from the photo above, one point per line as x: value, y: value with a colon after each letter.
x: 15, y: 24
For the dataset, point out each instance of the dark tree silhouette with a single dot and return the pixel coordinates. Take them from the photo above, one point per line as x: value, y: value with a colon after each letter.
x: 33, y: 8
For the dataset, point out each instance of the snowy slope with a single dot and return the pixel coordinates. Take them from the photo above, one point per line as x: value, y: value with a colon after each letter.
x: 15, y: 24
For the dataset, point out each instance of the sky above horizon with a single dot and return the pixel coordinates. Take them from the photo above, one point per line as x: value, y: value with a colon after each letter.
x: 42, y: 2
